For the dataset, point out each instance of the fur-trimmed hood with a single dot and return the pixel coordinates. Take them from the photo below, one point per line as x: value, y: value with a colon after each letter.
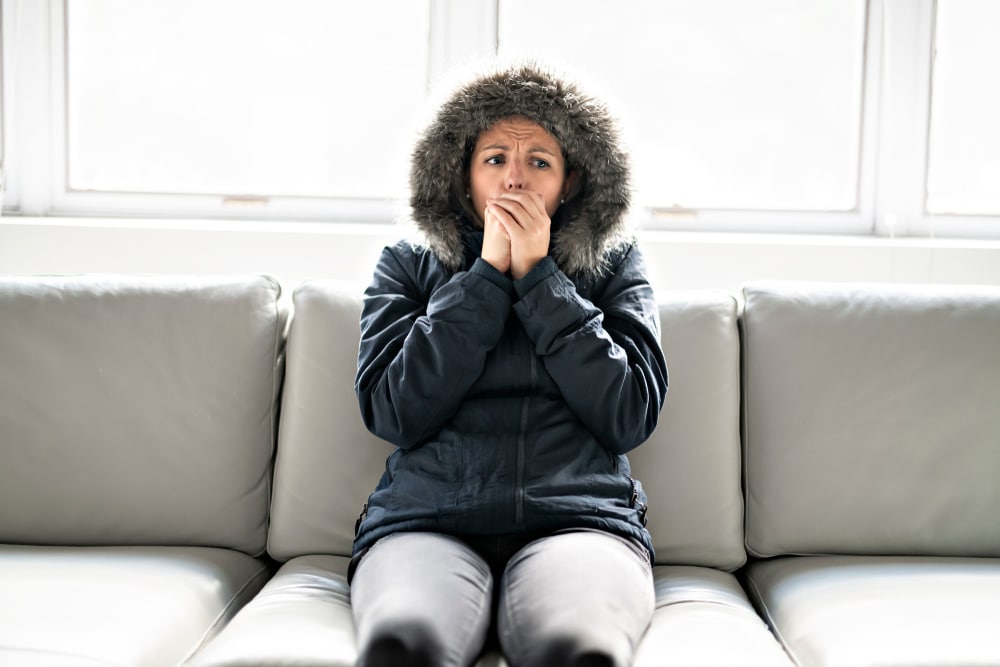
x: 592, y: 221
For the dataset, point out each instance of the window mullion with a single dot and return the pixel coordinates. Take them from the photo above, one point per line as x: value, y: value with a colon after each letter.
x: 27, y: 41
x: 460, y: 32
x: 907, y: 44
x: 870, y: 128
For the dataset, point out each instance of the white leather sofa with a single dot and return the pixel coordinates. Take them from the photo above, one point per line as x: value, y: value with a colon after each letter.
x: 872, y: 457
x: 823, y: 486
x: 137, y: 420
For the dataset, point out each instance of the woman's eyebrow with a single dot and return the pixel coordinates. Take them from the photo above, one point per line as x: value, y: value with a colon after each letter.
x: 504, y: 147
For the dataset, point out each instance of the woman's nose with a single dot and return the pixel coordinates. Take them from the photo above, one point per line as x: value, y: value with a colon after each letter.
x: 514, y: 177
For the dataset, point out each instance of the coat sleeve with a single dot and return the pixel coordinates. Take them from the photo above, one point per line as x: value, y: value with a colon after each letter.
x: 605, y: 357
x: 419, y: 355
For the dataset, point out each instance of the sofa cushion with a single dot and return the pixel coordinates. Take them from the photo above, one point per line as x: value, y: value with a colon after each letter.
x: 138, y: 410
x: 880, y: 611
x: 134, y: 606
x: 328, y: 462
x: 704, y: 619
x: 691, y: 465
x: 871, y: 419
x: 303, y: 617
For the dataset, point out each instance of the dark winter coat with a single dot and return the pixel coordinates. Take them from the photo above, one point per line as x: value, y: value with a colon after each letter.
x: 512, y: 403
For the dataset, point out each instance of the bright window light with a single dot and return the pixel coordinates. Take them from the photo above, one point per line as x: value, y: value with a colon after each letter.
x: 731, y: 104
x: 242, y: 97
x: 964, y: 166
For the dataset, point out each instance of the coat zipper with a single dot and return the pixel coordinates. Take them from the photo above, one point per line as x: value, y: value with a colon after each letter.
x: 519, y: 492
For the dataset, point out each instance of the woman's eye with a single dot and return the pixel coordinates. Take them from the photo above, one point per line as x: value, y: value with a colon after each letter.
x: 496, y: 159
x: 541, y: 164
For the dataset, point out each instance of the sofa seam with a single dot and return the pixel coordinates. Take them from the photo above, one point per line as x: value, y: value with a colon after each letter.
x: 744, y: 333
x: 733, y: 308
x: 217, y: 623
x: 764, y: 612
x: 719, y: 603
x: 277, y: 389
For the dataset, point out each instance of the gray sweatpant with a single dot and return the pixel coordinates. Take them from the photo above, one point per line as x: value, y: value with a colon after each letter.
x: 570, y: 598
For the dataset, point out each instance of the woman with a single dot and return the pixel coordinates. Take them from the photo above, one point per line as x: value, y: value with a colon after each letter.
x: 513, y: 360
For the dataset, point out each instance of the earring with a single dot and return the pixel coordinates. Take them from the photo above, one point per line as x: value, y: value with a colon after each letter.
x: 562, y: 201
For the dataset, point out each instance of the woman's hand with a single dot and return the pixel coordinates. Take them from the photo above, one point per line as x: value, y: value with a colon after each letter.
x: 522, y: 216
x: 496, y: 242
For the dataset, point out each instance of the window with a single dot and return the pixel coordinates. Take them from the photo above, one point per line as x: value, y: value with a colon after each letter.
x: 735, y: 104
x: 240, y: 97
x: 827, y: 116
x: 964, y: 165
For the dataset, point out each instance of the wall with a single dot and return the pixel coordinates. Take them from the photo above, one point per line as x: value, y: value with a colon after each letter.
x: 294, y: 252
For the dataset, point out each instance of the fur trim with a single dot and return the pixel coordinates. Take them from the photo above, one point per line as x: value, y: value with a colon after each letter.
x: 587, y: 227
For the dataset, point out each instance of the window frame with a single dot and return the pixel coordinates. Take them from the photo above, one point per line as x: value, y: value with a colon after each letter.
x: 7, y: 194
x: 71, y: 202
x: 3, y: 96
x: 859, y: 220
x: 892, y: 169
x: 52, y: 195
x: 923, y: 221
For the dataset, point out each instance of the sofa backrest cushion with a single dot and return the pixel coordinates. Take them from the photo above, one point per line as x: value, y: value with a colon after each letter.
x: 690, y: 466
x: 328, y: 463
x: 138, y: 410
x: 872, y: 420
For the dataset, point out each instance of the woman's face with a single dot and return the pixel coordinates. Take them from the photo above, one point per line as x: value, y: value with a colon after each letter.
x: 514, y: 154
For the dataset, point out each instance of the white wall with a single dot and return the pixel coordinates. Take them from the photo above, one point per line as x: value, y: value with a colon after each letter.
x: 294, y: 252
